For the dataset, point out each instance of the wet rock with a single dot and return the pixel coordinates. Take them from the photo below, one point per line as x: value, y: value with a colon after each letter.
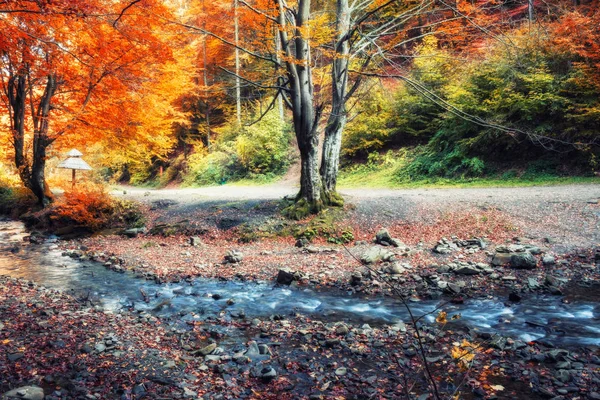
x: 523, y: 261
x: 285, y: 277
x: 533, y: 283
x: 453, y: 288
x: 233, y: 257
x: 25, y: 393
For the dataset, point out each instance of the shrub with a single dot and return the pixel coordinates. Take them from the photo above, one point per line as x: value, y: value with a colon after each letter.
x: 259, y: 152
x: 91, y: 206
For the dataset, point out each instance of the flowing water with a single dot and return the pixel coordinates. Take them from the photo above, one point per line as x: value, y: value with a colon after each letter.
x: 577, y: 323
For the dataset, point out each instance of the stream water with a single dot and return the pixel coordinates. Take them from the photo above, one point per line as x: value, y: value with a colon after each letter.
x: 576, y: 323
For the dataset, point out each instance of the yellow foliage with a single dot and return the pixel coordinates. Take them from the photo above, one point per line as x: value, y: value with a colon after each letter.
x: 464, y: 353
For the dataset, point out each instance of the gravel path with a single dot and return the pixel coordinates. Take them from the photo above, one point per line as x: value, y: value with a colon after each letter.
x: 568, y: 214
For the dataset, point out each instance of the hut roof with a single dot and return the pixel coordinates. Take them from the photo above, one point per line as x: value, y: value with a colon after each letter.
x: 74, y: 153
x: 75, y: 163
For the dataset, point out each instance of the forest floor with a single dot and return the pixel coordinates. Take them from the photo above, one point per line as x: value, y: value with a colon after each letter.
x: 534, y: 241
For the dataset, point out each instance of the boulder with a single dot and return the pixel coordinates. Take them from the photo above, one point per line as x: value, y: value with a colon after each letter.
x: 548, y: 260
x: 375, y: 254
x: 523, y: 260
x: 501, y: 258
x: 26, y: 393
x: 467, y: 270
x: 233, y: 257
x: 285, y: 276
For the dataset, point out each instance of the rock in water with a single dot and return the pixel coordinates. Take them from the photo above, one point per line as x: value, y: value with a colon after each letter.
x: 285, y: 277
x: 25, y: 392
x: 523, y: 260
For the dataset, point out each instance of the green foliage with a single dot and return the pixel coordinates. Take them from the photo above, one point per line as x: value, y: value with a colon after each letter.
x: 371, y: 129
x: 258, y: 152
x: 547, y: 103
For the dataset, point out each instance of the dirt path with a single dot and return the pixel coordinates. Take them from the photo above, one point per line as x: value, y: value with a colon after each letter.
x: 567, y: 214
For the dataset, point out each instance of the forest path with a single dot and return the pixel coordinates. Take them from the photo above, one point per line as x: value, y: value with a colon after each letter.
x: 569, y: 214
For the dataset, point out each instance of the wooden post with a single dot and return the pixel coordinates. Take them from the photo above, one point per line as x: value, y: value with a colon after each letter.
x: 73, y: 179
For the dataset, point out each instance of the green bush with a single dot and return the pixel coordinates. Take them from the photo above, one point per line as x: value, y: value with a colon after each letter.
x: 259, y: 152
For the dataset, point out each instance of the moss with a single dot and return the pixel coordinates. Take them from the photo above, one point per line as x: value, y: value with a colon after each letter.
x: 333, y: 199
x: 302, y: 209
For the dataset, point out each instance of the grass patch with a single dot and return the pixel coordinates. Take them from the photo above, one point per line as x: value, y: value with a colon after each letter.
x: 388, y: 171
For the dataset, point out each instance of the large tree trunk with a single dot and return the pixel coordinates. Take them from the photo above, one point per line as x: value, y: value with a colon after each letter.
x: 337, y: 119
x: 17, y: 94
x: 304, y: 113
x: 32, y: 173
x: 41, y: 141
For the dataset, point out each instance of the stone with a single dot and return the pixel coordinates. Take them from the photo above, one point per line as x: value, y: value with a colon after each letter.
x: 25, y: 393
x: 100, y: 347
x: 267, y: 374
x: 501, y: 258
x: 384, y: 238
x: 253, y: 349
x: 514, y: 297
x: 188, y: 393
x: 396, y: 269
x: 342, y: 329
x: 356, y: 278
x: 263, y: 349
x: 195, y: 241
x: 15, y: 356
x: 375, y: 254
x: 562, y: 376
x: 533, y: 283
x: 341, y: 371
x: 285, y: 276
x: 523, y: 261
x: 207, y: 349
x: 302, y: 242
x: 467, y: 270
x: 133, y: 232
x: 233, y: 257
x: 453, y: 288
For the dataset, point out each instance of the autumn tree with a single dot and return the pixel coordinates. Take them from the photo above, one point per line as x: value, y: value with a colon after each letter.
x: 63, y: 68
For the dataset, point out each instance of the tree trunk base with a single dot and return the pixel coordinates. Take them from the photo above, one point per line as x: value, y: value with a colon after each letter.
x: 332, y: 198
x: 302, y: 208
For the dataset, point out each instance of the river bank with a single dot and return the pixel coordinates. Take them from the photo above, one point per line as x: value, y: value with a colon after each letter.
x: 212, y: 344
